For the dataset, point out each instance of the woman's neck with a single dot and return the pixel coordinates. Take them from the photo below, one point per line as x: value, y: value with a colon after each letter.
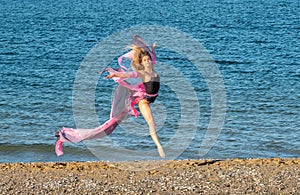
x: 149, y: 70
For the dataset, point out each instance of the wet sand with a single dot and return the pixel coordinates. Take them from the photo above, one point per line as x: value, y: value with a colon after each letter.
x: 234, y: 176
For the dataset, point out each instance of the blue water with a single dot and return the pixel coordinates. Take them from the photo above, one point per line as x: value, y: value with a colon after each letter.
x: 255, y: 46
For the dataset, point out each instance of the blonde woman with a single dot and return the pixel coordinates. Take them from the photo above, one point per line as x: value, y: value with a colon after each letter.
x: 125, y: 98
x: 143, y: 66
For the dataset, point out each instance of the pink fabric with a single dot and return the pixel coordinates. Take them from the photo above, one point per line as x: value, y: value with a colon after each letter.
x: 78, y: 135
x: 128, y: 55
x: 125, y: 98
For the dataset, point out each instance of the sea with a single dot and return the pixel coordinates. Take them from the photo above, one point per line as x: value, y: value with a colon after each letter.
x: 230, y: 78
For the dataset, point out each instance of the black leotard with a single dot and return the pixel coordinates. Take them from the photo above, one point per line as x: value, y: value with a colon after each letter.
x: 152, y: 86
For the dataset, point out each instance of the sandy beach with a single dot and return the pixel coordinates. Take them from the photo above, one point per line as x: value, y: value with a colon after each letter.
x: 234, y: 176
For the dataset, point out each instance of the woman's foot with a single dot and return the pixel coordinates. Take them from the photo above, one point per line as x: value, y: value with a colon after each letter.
x: 161, y: 152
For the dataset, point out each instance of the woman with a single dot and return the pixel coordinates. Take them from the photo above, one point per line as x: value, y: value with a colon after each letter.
x: 144, y: 68
x: 125, y: 98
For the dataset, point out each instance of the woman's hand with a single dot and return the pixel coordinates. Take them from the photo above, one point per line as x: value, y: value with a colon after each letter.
x: 110, y: 76
x: 153, y: 47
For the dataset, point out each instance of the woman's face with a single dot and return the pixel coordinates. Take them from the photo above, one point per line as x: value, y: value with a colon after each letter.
x: 146, y: 61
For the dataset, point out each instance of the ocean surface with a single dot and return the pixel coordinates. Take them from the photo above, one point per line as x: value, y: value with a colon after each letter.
x: 255, y: 46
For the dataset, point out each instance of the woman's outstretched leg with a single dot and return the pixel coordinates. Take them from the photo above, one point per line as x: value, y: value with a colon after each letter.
x: 147, y: 114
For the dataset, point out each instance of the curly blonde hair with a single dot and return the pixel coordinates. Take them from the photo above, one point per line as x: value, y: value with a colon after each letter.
x: 136, y: 61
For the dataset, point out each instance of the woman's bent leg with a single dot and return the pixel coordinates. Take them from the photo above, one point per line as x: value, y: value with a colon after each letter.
x: 147, y: 114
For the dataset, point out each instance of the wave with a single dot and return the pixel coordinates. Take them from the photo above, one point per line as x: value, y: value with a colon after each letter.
x: 10, y: 153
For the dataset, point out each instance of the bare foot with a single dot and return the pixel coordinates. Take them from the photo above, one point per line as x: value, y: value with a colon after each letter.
x: 161, y: 152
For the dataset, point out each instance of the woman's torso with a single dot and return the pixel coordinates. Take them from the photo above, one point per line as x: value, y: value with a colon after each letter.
x: 151, y: 83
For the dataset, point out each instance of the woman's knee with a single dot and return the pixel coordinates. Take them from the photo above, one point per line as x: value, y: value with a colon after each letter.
x: 143, y: 102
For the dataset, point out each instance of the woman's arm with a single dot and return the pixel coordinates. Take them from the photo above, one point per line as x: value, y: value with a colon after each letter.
x: 153, y: 48
x: 118, y: 74
x: 153, y: 56
x: 122, y: 75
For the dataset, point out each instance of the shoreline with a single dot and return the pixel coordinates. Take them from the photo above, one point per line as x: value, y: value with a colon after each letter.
x: 249, y: 176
